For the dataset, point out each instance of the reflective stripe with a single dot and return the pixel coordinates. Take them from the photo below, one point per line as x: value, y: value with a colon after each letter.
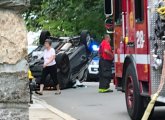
x: 122, y: 58
x: 139, y: 58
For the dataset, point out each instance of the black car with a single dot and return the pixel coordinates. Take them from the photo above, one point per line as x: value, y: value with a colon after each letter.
x: 72, y: 58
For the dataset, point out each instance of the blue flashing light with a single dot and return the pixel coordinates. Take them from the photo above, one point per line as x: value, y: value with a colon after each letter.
x: 95, y: 47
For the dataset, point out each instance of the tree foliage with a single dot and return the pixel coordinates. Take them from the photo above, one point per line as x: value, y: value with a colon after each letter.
x: 66, y: 17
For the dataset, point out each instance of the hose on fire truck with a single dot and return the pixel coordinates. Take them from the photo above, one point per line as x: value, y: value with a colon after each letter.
x: 156, y: 95
x: 161, y: 12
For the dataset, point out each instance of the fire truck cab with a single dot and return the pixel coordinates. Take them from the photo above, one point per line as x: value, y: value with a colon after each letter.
x: 138, y: 29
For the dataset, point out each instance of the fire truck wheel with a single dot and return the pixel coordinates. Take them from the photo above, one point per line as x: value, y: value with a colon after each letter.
x: 134, y: 101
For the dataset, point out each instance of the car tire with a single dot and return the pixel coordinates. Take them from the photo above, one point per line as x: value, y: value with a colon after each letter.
x: 85, y: 38
x: 43, y: 36
x: 134, y: 100
x: 63, y: 63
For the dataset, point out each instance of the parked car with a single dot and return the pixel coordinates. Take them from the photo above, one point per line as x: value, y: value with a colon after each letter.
x: 72, y: 58
x: 93, y: 69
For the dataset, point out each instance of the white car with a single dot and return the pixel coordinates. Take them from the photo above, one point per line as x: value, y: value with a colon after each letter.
x: 93, y: 69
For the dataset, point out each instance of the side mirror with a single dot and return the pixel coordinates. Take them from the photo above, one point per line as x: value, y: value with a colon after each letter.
x: 108, y: 7
x: 109, y: 25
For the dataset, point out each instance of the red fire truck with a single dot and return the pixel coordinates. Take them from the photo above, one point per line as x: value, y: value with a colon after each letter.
x: 138, y: 29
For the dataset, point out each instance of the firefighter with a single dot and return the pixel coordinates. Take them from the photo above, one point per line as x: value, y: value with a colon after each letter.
x: 49, y: 67
x: 105, y: 63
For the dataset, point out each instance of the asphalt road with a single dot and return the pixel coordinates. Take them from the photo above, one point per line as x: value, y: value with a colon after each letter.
x: 87, y: 104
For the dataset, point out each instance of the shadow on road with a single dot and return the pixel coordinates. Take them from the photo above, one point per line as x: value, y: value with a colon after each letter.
x: 87, y: 100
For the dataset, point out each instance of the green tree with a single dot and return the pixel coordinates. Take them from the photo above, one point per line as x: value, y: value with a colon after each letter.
x: 66, y: 17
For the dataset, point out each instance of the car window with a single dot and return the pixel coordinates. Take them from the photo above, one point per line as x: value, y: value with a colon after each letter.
x: 118, y: 11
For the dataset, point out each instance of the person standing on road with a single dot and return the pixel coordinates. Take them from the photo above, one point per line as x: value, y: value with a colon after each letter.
x: 49, y: 67
x: 105, y: 63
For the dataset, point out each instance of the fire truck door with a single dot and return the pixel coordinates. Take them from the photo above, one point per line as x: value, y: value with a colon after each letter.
x: 130, y: 28
x: 136, y: 32
x: 141, y: 34
x: 124, y: 32
x: 118, y: 37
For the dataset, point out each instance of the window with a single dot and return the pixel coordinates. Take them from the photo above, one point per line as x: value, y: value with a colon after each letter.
x: 108, y: 7
x: 139, y: 10
x: 118, y: 11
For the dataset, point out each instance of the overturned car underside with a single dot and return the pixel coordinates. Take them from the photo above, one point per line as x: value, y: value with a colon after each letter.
x: 72, y: 58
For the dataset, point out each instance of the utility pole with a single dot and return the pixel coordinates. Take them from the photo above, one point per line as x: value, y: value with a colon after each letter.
x: 14, y: 94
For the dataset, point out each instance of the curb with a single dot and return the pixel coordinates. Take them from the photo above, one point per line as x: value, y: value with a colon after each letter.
x: 54, y: 110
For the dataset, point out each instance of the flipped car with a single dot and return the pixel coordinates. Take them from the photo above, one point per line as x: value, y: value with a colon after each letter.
x: 31, y: 48
x: 72, y: 58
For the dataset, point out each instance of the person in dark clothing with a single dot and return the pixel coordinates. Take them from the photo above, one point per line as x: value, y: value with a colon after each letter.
x: 49, y: 67
x: 105, y: 63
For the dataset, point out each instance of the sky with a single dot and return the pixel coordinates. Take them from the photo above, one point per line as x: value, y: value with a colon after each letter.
x: 33, y: 36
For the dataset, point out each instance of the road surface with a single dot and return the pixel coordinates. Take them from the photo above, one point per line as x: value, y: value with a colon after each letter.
x: 87, y: 104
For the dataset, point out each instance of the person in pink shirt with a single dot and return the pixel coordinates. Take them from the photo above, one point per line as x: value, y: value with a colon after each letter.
x: 49, y: 67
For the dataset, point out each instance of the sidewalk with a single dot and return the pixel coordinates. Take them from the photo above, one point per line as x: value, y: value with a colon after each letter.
x: 40, y: 110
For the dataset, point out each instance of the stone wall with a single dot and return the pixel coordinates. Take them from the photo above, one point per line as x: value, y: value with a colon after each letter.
x: 13, y: 34
x: 14, y: 95
x: 14, y: 114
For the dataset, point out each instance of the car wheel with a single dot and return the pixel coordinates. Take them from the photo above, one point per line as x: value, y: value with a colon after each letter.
x: 85, y: 38
x: 63, y: 63
x: 64, y: 74
x: 133, y: 98
x: 43, y: 36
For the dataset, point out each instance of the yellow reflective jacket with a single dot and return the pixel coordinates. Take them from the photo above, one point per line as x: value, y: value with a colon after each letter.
x: 30, y: 75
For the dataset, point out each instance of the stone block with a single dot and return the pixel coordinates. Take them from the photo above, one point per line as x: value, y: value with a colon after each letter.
x: 13, y: 37
x: 14, y: 87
